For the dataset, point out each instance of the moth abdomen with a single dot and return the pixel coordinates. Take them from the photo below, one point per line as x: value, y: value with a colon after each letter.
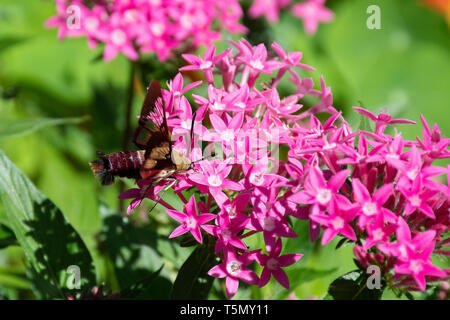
x: 124, y: 164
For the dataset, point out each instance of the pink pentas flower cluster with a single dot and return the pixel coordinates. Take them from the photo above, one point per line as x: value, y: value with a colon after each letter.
x: 311, y: 12
x: 380, y: 192
x: 135, y: 27
x: 384, y: 194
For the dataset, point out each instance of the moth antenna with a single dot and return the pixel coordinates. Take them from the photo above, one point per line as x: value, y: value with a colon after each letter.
x: 204, y: 158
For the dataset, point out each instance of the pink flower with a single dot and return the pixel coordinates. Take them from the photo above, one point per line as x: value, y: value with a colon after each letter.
x: 312, y: 12
x: 417, y: 198
x: 290, y: 59
x: 318, y: 191
x: 269, y: 219
x: 268, y: 8
x: 433, y: 143
x: 138, y: 26
x: 256, y: 59
x: 214, y: 176
x: 118, y: 40
x: 406, y: 245
x: 226, y: 232
x: 275, y: 163
x: 414, y: 256
x: 233, y: 269
x: 66, y: 27
x: 372, y: 206
x: 190, y: 219
x: 382, y: 120
x: 341, y: 214
x: 419, y: 266
x: 226, y: 133
x: 205, y: 64
x: 273, y: 263
x: 138, y: 195
x: 176, y: 85
x: 378, y: 232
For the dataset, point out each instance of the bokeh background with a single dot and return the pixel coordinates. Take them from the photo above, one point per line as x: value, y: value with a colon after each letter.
x: 59, y: 103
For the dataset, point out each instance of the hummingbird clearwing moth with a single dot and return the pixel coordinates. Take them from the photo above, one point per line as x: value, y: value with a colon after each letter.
x: 155, y: 159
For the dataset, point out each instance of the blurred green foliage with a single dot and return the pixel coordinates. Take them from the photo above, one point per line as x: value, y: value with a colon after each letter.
x: 60, y: 102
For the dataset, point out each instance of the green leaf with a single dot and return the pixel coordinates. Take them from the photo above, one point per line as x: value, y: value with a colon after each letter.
x: 10, y: 277
x: 134, y: 254
x: 9, y: 241
x: 298, y: 276
x: 353, y: 286
x: 49, y: 242
x: 137, y: 288
x: 341, y: 243
x: 20, y: 127
x: 9, y: 41
x: 193, y: 282
x: 7, y: 237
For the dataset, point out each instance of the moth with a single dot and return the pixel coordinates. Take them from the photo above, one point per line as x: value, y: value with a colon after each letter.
x: 156, y: 159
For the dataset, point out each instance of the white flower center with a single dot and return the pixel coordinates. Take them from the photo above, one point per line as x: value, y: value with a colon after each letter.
x: 273, y: 264
x: 257, y: 64
x: 234, y: 268
x: 329, y: 146
x: 214, y: 180
x: 206, y: 65
x: 268, y: 134
x: 226, y: 233
x: 412, y: 174
x: 91, y: 24
x: 232, y: 212
x: 240, y: 105
x: 323, y: 196
x: 118, y: 37
x: 186, y: 124
x: 403, y: 251
x: 257, y: 178
x: 415, y: 200
x: 130, y: 15
x: 191, y: 223
x: 337, y: 223
x: 369, y: 208
x: 415, y: 266
x: 228, y: 135
x: 157, y: 28
x: 310, y: 9
x: 377, y: 234
x: 218, y: 105
x: 186, y: 21
x: 392, y: 156
x: 268, y: 223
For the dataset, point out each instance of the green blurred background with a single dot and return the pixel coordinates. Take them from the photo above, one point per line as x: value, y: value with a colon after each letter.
x: 59, y: 103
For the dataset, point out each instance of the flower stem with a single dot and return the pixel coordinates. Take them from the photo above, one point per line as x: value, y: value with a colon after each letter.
x: 248, y: 234
x: 182, y: 197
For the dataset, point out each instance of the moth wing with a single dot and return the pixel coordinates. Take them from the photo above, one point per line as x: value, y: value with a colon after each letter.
x: 181, y: 162
x: 152, y: 131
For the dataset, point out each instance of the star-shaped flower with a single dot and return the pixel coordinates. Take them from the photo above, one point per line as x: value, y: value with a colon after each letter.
x: 190, y: 220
